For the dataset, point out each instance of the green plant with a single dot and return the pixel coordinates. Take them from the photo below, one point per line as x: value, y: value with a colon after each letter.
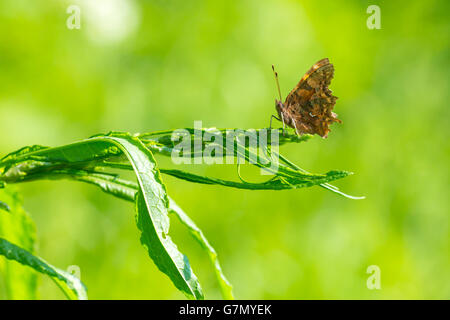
x: 92, y: 160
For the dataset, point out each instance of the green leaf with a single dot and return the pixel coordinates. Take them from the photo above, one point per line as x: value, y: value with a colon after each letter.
x: 126, y: 190
x: 165, y: 137
x: 17, y: 226
x: 85, y: 161
x: 225, y: 286
x: 71, y: 285
x: 323, y: 185
x: 79, y: 155
x: 152, y: 217
x: 22, y: 151
x: 152, y: 207
x: 4, y: 206
x: 120, y: 188
x: 290, y: 182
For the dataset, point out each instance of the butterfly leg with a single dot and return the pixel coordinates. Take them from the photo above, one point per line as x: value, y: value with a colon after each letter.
x: 296, y: 131
x: 271, y: 117
x: 284, y: 125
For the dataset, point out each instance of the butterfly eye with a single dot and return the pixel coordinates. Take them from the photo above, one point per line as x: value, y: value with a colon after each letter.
x: 279, y: 104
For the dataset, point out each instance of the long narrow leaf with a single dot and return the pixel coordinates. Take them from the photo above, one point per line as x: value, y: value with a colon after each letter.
x: 71, y: 285
x: 273, y: 184
x: 152, y: 206
x: 152, y: 216
x: 225, y: 286
x: 126, y: 190
x: 17, y: 226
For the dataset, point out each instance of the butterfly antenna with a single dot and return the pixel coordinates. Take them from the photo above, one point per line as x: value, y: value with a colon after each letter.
x: 276, y: 80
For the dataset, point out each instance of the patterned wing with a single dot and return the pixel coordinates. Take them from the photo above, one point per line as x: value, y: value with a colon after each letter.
x: 311, y: 102
x: 304, y: 89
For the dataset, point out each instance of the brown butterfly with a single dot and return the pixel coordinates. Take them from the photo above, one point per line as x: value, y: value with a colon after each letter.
x: 308, y: 107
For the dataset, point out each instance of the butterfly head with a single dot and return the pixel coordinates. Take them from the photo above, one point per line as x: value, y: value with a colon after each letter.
x: 279, y: 106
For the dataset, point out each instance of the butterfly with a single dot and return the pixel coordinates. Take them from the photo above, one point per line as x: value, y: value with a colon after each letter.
x: 308, y: 107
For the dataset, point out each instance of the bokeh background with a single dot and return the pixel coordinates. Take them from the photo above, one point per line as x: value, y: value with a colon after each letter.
x: 142, y: 66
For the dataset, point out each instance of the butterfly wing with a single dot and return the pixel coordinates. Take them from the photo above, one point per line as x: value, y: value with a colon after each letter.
x: 305, y: 87
x: 311, y: 102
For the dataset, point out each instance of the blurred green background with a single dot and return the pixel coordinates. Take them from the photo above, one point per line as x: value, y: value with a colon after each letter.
x: 142, y: 66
